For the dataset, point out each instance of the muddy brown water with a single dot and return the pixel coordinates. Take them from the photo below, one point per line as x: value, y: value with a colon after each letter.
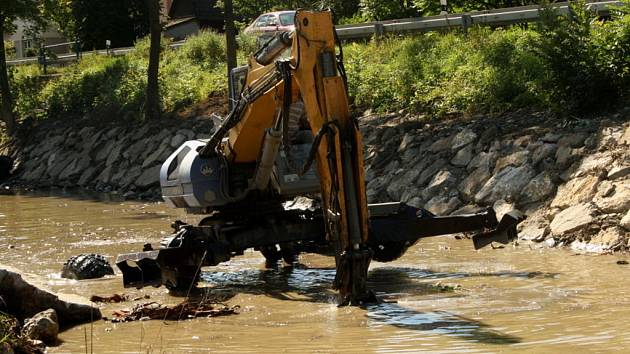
x: 516, y: 299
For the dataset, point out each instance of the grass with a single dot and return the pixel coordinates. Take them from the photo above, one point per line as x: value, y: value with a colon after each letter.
x: 570, y: 65
x: 101, y: 87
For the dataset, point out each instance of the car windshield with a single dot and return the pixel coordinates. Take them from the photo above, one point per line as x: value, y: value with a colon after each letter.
x: 287, y: 19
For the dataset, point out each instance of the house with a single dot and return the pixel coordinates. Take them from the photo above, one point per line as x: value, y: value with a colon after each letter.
x: 26, y: 45
x: 187, y: 17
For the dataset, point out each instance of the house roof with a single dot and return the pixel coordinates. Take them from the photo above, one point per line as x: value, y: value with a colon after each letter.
x: 179, y: 21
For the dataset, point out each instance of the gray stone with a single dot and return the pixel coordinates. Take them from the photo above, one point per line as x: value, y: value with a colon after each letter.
x: 115, y: 153
x: 618, y: 171
x: 410, y: 154
x: 463, y: 156
x: 416, y: 202
x: 514, y: 159
x: 68, y: 170
x: 130, y: 176
x: 543, y: 151
x: 440, y: 145
x: 463, y: 138
x: 379, y: 183
x: 594, y: 164
x: 36, y: 174
x: 189, y: 134
x: 43, y: 326
x: 538, y: 189
x: 442, y: 205
x: 409, y: 193
x: 573, y: 219
x: 468, y: 209
x: 564, y: 155
x: 572, y: 140
x: 532, y: 231
x: 155, y: 156
x: 105, y: 175
x: 615, y: 199
x: 103, y: 153
x: 135, y: 150
x: 59, y: 165
x: 609, y: 239
x: 507, y: 184
x: 577, y: 190
x: 87, y: 176
x: 430, y: 171
x: 439, y: 184
x: 149, y: 177
x: 501, y: 207
x: 550, y: 138
x: 399, y: 184
x: 471, y: 184
x: 483, y: 159
x: 177, y: 140
x: 406, y: 141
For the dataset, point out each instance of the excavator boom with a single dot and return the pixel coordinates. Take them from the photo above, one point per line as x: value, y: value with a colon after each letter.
x: 290, y: 133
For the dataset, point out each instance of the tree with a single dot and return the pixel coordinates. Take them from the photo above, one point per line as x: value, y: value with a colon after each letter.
x: 11, y: 10
x: 152, y: 104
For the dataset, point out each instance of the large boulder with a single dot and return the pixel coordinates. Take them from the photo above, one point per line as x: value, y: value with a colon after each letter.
x: 507, y: 184
x: 43, y: 326
x: 573, y: 219
x: 577, y: 190
x: 24, y: 300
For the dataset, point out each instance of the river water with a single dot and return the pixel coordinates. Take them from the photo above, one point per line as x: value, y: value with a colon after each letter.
x: 516, y: 299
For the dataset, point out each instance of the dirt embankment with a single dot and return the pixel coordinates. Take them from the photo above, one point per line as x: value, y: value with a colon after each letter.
x: 571, y: 177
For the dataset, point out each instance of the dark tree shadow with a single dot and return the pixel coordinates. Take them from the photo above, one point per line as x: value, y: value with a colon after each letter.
x: 300, y: 283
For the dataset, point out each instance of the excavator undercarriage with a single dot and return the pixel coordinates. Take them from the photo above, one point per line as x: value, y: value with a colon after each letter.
x: 289, y: 134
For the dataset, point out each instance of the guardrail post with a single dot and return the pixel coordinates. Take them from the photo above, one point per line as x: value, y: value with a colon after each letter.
x: 379, y: 30
x: 77, y: 48
x: 42, y: 58
x: 467, y: 22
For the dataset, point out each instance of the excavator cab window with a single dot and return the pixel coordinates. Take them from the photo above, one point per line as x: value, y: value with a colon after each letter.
x: 237, y: 82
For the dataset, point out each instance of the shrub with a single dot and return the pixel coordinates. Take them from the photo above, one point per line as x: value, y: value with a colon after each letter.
x: 572, y: 50
x: 206, y: 49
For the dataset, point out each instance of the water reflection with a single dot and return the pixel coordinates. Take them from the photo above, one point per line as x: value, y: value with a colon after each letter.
x: 438, y: 322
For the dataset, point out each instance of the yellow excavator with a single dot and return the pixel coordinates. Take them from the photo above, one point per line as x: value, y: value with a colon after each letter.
x: 289, y: 134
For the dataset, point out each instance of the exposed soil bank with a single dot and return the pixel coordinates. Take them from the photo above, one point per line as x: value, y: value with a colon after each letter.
x: 572, y: 177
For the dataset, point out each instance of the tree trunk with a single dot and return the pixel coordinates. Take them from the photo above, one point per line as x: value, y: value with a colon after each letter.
x: 230, y: 41
x: 152, y: 104
x: 5, y: 90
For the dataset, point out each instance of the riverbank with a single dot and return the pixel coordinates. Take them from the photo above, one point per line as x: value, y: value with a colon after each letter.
x: 570, y: 176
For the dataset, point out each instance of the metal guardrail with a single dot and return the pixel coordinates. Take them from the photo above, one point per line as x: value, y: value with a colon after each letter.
x: 496, y: 17
x: 65, y: 58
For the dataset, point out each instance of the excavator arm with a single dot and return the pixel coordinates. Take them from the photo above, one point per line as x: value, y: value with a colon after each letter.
x: 236, y: 177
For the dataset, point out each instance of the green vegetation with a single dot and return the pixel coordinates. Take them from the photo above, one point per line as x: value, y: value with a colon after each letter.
x: 573, y: 65
x: 105, y: 87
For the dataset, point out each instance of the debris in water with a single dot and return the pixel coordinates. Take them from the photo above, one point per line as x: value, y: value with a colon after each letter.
x: 622, y: 262
x: 116, y: 298
x: 186, y: 309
